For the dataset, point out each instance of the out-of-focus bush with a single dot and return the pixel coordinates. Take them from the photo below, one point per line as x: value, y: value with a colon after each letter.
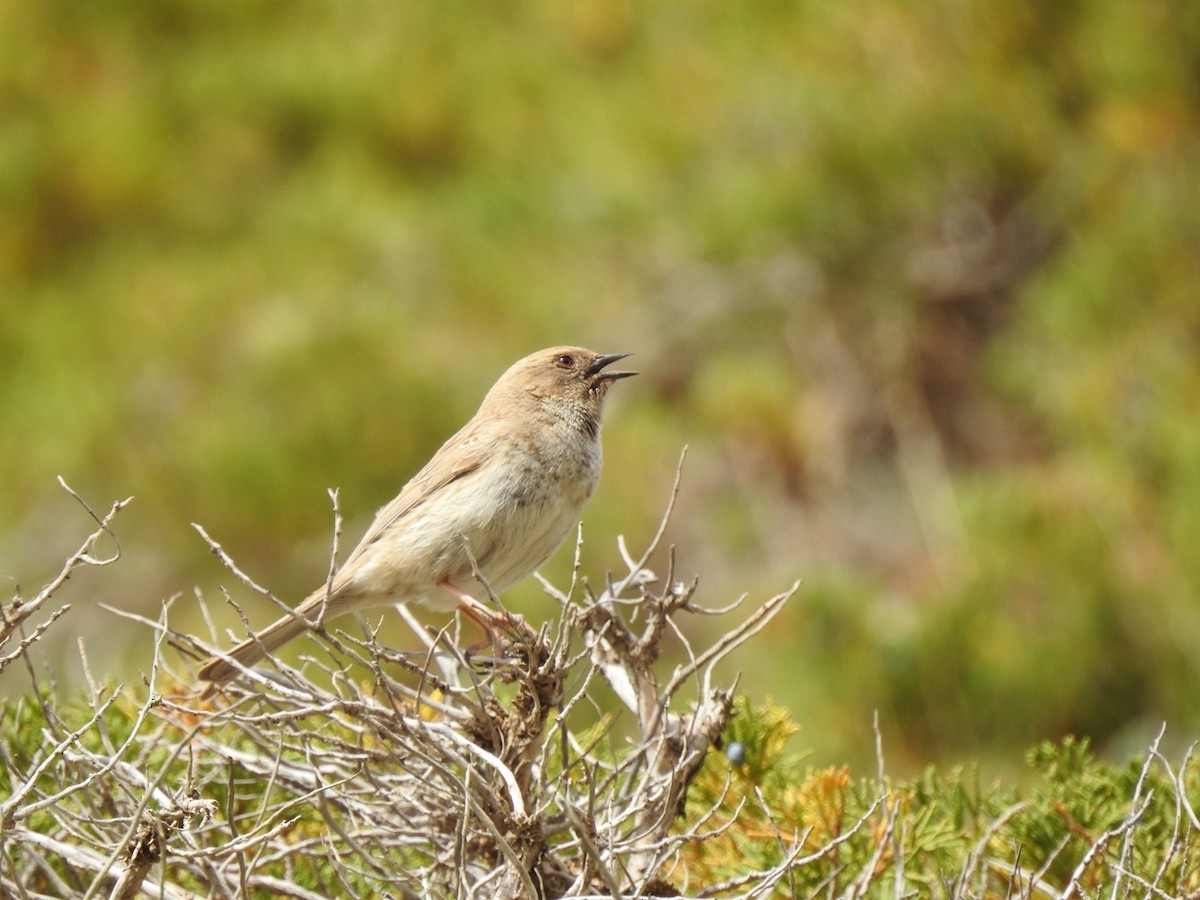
x: 916, y: 283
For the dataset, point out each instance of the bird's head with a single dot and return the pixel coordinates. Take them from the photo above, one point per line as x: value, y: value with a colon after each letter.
x: 567, y: 377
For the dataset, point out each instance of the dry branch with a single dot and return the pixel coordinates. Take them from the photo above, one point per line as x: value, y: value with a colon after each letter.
x: 559, y: 769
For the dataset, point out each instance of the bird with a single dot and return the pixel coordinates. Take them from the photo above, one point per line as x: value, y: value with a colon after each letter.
x: 491, y: 505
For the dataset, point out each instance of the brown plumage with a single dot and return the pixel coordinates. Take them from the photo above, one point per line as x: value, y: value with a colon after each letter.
x: 505, y: 491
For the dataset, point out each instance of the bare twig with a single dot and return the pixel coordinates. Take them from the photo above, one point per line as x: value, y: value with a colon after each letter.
x: 18, y: 612
x: 560, y: 768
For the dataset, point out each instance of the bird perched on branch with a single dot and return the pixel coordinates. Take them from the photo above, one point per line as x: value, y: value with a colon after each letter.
x: 493, y: 503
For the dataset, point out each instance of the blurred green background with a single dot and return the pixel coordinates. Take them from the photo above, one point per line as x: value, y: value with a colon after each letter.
x: 917, y: 282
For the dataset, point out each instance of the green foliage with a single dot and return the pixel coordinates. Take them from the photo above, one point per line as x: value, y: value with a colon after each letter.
x: 1080, y: 799
x: 945, y: 834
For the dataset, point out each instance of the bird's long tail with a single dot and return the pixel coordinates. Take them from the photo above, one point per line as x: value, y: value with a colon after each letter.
x: 219, y: 669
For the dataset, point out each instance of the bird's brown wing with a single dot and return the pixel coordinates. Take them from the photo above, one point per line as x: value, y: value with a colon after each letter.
x: 458, y: 457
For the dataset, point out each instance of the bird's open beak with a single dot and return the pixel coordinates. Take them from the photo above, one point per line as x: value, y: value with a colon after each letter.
x: 603, y: 360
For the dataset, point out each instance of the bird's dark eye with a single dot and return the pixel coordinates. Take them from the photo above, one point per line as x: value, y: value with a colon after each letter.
x: 565, y: 361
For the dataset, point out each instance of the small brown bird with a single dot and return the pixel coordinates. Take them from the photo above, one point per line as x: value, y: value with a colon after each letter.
x: 497, y: 499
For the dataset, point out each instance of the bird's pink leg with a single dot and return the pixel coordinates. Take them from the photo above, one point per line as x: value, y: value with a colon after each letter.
x: 479, y: 614
x: 472, y: 609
